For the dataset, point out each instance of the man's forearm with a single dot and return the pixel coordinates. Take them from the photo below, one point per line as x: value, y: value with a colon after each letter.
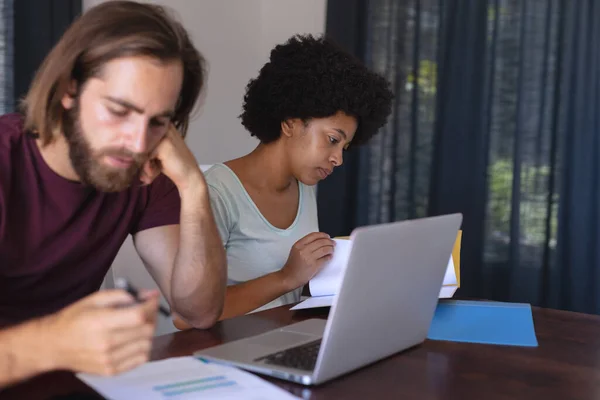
x: 200, y: 271
x: 23, y: 353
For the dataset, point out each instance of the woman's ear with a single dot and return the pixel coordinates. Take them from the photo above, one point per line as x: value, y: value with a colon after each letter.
x: 287, y: 127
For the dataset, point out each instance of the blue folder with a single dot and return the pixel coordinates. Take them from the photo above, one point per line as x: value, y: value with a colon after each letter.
x: 483, y: 322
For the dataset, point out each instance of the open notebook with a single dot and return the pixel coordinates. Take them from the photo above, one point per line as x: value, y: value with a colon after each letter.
x: 324, y: 286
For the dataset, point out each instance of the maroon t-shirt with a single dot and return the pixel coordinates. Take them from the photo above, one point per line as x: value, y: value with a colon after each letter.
x: 58, y: 237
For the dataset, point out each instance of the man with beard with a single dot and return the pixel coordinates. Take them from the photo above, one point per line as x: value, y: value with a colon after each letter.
x: 97, y: 154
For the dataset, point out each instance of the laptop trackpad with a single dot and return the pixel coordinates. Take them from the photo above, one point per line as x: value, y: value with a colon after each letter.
x: 279, y: 339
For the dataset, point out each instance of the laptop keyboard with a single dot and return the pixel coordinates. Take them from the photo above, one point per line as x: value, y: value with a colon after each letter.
x: 302, y: 357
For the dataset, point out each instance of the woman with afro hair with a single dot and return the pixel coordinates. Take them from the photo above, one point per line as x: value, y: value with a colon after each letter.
x: 309, y: 103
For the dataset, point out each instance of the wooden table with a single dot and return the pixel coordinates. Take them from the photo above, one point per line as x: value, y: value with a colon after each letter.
x: 566, y: 365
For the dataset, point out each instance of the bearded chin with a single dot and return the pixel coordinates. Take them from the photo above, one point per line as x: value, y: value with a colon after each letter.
x: 88, y: 166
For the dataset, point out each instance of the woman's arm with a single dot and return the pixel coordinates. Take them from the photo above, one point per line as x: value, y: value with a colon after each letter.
x: 248, y: 296
x: 306, y: 258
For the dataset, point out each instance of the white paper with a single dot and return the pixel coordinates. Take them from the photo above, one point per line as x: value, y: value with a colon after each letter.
x: 446, y: 292
x: 328, y: 280
x: 184, y: 378
x: 450, y: 276
x: 324, y: 286
x: 315, y: 302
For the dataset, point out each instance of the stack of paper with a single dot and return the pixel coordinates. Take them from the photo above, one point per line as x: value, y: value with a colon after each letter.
x: 184, y: 378
x: 325, y: 285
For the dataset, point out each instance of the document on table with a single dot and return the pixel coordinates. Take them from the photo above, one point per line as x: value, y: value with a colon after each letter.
x: 329, y: 278
x: 488, y: 322
x: 325, y: 285
x: 184, y: 378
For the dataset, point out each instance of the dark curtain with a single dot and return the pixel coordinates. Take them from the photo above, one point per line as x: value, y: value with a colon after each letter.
x: 387, y: 180
x: 572, y: 281
x: 337, y: 200
x: 495, y: 117
x: 6, y: 56
x: 38, y: 25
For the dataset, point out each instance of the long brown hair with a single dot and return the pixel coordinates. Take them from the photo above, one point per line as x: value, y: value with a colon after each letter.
x: 105, y: 32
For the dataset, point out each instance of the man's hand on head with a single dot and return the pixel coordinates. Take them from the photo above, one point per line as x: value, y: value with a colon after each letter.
x: 173, y: 158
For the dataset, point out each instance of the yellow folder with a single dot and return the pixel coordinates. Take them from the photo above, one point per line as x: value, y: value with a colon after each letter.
x: 456, y: 256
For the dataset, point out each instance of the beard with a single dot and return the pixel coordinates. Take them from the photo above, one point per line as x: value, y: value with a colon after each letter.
x: 87, y: 162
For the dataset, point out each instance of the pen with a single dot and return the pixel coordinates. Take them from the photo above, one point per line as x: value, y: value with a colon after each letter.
x: 122, y: 283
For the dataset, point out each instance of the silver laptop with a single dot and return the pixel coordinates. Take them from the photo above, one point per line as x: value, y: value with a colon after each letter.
x: 385, y: 305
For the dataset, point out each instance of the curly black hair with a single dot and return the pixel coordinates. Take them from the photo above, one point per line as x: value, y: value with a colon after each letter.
x: 308, y: 77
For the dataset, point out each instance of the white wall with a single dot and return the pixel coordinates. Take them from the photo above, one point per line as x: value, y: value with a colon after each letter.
x: 236, y: 37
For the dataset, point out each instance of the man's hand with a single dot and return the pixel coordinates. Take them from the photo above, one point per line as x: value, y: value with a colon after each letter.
x: 104, y: 333
x: 173, y: 158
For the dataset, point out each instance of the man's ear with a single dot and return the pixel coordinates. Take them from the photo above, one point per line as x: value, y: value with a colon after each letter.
x: 68, y: 99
